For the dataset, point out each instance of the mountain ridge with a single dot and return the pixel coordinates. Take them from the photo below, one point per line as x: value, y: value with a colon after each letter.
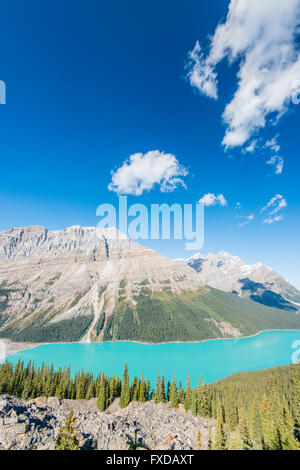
x: 258, y: 282
x: 88, y: 284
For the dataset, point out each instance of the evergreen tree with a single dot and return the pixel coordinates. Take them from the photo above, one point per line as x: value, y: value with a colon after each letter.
x: 286, y: 430
x: 210, y: 439
x: 142, y: 391
x: 135, y: 443
x: 67, y: 438
x: 194, y: 402
x: 188, y: 394
x: 125, y: 392
x: 203, y: 405
x: 102, y: 397
x: 163, y: 390
x: 234, y: 441
x: 157, y: 392
x: 220, y: 438
x: 255, y: 426
x: 199, y: 441
x: 296, y: 400
x: 173, y: 393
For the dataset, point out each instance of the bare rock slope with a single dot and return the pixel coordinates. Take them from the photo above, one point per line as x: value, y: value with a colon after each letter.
x: 88, y: 284
x: 34, y: 425
x: 257, y: 282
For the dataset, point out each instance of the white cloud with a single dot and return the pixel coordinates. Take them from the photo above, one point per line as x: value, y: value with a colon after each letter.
x: 251, y: 147
x: 210, y: 199
x: 277, y: 162
x: 201, y: 74
x: 273, y: 144
x: 141, y: 172
x: 247, y: 219
x: 260, y: 34
x: 271, y: 220
x: 277, y: 202
x: 238, y: 205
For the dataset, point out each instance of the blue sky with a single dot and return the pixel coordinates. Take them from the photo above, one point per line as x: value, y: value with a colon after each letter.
x: 91, y: 83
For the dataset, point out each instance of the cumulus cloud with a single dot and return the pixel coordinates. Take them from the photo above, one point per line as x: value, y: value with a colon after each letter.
x: 276, y: 204
x: 261, y: 36
x: 141, y: 172
x: 210, y: 199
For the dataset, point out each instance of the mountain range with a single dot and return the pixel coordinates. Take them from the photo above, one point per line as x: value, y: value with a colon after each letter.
x: 88, y: 284
x: 257, y: 282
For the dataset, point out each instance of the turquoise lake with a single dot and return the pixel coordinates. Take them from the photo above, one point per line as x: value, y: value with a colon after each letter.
x: 210, y: 359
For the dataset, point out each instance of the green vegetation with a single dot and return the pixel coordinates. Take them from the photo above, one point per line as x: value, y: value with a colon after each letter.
x: 61, y: 331
x: 134, y: 443
x: 145, y: 282
x: 5, y: 292
x: 254, y: 410
x: 100, y: 324
x: 153, y: 316
x: 78, y: 298
x: 123, y: 284
x: 101, y: 291
x: 67, y: 437
x: 192, y: 316
x: 53, y: 280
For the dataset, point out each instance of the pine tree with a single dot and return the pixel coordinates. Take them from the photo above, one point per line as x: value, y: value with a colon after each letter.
x: 142, y: 392
x: 125, y: 392
x: 243, y: 431
x: 67, y: 438
x: 210, y: 439
x: 256, y: 426
x: 102, y: 397
x: 188, y: 394
x: 199, y: 441
x: 234, y: 441
x: 157, y: 392
x: 203, y: 400
x: 286, y: 430
x: 269, y: 428
x: 194, y: 403
x: 163, y: 390
x: 296, y: 400
x: 220, y: 438
x: 173, y: 393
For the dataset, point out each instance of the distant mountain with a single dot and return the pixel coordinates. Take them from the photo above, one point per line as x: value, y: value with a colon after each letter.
x: 87, y: 284
x: 257, y: 282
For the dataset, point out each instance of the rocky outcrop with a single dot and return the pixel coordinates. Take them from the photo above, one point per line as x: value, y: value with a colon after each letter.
x: 34, y: 425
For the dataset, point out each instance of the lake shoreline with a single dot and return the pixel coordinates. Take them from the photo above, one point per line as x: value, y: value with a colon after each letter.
x: 13, y: 348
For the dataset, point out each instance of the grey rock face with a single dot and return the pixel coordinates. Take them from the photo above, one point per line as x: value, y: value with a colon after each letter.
x: 62, y: 274
x: 258, y: 282
x: 160, y: 427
